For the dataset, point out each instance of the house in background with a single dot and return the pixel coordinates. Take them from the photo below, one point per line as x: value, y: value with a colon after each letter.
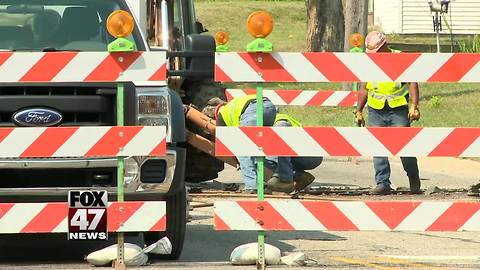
x: 414, y: 16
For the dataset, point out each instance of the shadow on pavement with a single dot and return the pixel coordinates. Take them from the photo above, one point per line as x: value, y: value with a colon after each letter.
x: 54, y: 248
x: 203, y: 243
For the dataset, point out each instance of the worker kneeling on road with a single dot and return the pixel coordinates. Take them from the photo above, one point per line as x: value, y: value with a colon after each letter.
x: 241, y: 112
x: 388, y: 107
x: 290, y: 172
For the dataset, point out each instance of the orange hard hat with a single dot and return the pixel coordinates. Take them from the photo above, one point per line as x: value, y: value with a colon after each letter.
x: 260, y: 24
x: 374, y: 41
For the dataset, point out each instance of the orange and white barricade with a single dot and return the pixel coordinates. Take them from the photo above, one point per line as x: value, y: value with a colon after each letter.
x: 291, y: 215
x: 117, y: 141
x: 322, y: 98
x: 312, y: 67
x: 295, y: 215
x: 46, y: 67
x: 31, y: 142
x: 51, y: 217
x: 348, y: 141
x: 347, y: 67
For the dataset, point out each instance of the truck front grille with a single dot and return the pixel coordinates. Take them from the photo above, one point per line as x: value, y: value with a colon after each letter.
x: 80, y: 106
x: 58, y: 178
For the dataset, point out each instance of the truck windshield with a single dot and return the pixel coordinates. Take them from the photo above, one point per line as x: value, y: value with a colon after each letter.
x: 36, y: 25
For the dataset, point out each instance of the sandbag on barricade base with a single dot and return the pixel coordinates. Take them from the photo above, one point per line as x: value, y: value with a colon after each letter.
x: 162, y: 246
x: 134, y: 255
x: 247, y: 254
x: 294, y: 259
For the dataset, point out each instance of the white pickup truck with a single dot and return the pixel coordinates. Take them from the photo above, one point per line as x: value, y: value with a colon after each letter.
x: 80, y: 25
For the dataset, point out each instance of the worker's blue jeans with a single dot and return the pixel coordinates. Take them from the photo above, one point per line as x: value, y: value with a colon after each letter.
x: 248, y: 165
x: 289, y: 168
x: 388, y: 117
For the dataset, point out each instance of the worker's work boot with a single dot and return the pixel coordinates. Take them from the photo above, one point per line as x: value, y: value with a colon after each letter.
x: 415, y: 185
x: 275, y: 184
x: 303, y: 180
x: 381, y: 189
x: 267, y: 173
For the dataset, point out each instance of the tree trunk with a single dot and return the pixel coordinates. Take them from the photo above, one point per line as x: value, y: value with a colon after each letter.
x: 356, y: 21
x: 325, y: 25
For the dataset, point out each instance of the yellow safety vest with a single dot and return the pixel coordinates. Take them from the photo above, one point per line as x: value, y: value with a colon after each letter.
x: 291, y: 120
x: 392, y: 92
x: 232, y: 111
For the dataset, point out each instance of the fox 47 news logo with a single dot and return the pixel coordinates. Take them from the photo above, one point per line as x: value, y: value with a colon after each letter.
x: 87, y: 215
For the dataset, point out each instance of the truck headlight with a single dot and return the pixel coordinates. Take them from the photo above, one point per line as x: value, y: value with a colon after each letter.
x: 131, y: 170
x: 154, y: 108
x: 152, y: 105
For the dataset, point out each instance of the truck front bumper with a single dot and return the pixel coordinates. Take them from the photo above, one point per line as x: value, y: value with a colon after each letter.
x: 134, y: 188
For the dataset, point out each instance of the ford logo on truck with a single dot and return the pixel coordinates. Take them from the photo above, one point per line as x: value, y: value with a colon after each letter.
x: 37, y: 117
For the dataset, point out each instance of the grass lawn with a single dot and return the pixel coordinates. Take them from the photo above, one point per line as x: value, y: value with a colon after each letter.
x: 441, y: 105
x: 289, y: 30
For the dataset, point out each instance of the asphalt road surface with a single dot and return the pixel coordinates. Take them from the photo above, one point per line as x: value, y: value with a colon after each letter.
x: 208, y: 249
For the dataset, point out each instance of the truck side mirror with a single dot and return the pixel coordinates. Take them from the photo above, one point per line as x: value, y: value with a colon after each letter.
x: 203, y: 59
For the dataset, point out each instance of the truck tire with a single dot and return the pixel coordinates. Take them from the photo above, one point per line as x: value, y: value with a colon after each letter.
x: 200, y: 166
x: 176, y: 226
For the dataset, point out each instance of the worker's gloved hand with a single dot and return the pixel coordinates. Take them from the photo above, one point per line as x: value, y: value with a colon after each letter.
x: 359, y: 119
x: 414, y: 113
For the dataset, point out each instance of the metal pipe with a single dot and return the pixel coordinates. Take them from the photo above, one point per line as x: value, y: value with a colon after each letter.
x: 208, y: 147
x: 213, y: 195
x: 207, y: 124
x: 199, y: 119
x: 165, y: 31
x: 201, y: 205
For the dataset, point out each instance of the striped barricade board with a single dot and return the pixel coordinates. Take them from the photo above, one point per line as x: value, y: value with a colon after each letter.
x: 102, y: 141
x: 347, y: 67
x: 324, y: 98
x: 52, y: 67
x: 52, y: 217
x: 348, y: 141
x: 296, y: 215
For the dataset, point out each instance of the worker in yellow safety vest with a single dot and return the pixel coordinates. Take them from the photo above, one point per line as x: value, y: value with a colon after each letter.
x: 388, y: 107
x: 289, y: 172
x: 242, y: 111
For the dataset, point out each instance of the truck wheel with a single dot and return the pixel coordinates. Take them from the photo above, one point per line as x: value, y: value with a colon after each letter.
x: 176, y: 226
x: 200, y: 166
